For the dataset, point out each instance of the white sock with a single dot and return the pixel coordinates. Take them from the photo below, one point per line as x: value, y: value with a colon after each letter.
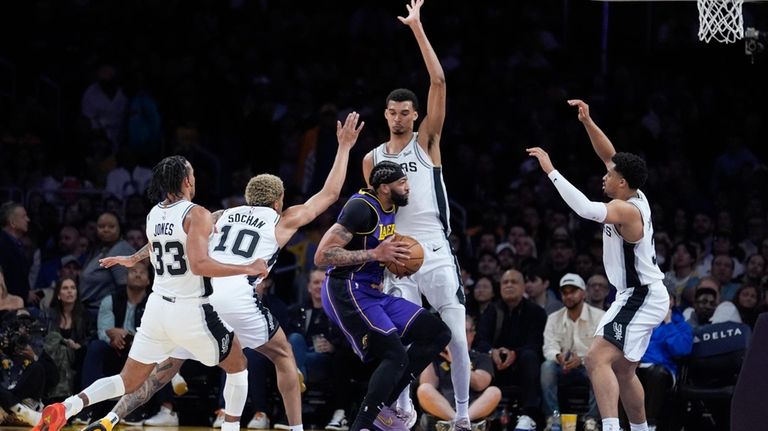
x: 112, y: 417
x: 103, y: 389
x: 638, y: 427
x: 404, y: 399
x: 235, y: 393
x: 230, y: 426
x: 72, y: 406
x: 299, y: 427
x: 462, y: 409
x: 455, y: 319
x: 611, y: 424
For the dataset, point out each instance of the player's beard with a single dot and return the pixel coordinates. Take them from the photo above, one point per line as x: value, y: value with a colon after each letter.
x: 398, y: 199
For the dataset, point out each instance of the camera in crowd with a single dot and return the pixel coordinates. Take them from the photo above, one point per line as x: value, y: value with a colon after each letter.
x: 17, y: 332
x: 754, y: 41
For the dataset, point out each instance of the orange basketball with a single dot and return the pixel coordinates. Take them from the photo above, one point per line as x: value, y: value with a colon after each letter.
x: 413, y: 263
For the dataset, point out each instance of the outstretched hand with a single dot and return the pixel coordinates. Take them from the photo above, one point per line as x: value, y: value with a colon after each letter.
x: 583, y: 109
x: 348, y: 133
x: 543, y: 158
x: 414, y: 17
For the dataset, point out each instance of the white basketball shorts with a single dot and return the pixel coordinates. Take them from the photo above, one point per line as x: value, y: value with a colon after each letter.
x: 631, y: 319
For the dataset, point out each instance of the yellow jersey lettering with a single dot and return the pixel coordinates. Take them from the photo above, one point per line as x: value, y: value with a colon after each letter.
x: 385, y: 231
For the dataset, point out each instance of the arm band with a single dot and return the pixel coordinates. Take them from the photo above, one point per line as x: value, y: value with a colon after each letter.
x: 595, y: 211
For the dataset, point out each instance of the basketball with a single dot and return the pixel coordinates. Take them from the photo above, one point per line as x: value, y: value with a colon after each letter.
x: 413, y: 263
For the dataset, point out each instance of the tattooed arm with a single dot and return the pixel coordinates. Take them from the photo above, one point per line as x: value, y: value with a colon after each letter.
x: 331, y: 250
x: 162, y: 374
x: 126, y: 261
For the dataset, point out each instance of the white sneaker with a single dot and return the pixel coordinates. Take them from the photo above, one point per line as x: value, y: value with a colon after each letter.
x: 590, y: 424
x: 408, y: 415
x: 338, y: 421
x: 525, y: 423
x: 179, y: 385
x: 260, y: 421
x: 26, y: 414
x: 219, y: 419
x: 164, y: 418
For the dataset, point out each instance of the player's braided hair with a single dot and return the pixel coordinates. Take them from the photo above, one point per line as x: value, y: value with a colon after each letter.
x: 167, y: 177
x: 632, y: 168
x: 384, y: 173
x: 403, y: 95
x: 263, y: 190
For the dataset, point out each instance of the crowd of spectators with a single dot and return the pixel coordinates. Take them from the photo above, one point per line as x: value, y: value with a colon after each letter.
x: 93, y: 93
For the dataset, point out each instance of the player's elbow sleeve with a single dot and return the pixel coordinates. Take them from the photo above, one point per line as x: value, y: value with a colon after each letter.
x: 595, y: 211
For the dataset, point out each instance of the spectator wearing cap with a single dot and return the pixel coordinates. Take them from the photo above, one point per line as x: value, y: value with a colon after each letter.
x: 598, y: 289
x: 537, y: 290
x: 567, y: 336
x: 707, y: 307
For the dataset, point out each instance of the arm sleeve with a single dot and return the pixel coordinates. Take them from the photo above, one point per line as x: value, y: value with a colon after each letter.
x: 579, y: 203
x: 358, y: 217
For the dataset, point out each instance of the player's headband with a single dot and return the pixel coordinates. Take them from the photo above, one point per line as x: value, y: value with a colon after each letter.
x: 384, y: 173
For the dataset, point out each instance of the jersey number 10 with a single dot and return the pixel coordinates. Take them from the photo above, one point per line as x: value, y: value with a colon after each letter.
x: 237, y: 246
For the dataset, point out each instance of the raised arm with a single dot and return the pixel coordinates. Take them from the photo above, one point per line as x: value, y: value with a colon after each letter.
x: 600, y: 142
x: 615, y: 212
x: 199, y: 225
x: 432, y: 125
x: 300, y: 215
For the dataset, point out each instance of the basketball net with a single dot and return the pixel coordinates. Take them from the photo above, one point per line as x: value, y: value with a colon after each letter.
x: 720, y: 20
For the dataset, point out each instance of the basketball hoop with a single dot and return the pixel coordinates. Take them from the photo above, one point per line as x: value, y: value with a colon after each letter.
x: 719, y: 20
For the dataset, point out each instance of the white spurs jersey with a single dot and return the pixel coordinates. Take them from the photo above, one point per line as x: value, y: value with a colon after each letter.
x: 427, y: 212
x: 165, y: 231
x: 631, y: 264
x: 244, y: 234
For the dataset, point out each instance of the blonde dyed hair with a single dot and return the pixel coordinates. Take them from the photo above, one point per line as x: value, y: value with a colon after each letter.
x: 263, y: 190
